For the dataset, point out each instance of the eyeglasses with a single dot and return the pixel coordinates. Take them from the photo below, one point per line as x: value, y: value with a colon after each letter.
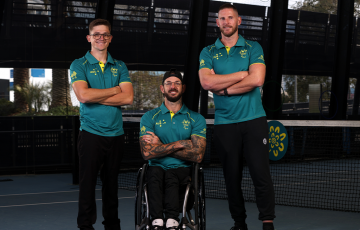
x: 169, y: 83
x: 98, y: 36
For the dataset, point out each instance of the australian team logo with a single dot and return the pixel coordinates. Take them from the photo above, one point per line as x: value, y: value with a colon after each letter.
x: 143, y: 130
x: 160, y: 123
x: 186, y: 124
x: 114, y: 71
x: 278, y: 140
x: 243, y: 53
x: 261, y: 58
x: 202, y: 62
x: 73, y: 75
x: 203, y: 131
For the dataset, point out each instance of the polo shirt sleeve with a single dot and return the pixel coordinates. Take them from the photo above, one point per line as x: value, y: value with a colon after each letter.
x: 77, y: 72
x: 146, y: 124
x: 257, y: 54
x: 124, y: 73
x: 199, y: 127
x: 205, y: 61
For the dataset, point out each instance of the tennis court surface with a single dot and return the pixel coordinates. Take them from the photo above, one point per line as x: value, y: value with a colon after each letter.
x: 43, y: 202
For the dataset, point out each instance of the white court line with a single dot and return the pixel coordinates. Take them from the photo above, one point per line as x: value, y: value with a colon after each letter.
x: 64, y: 202
x: 40, y: 193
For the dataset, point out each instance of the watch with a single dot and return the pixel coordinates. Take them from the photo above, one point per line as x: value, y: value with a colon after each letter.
x: 226, y: 92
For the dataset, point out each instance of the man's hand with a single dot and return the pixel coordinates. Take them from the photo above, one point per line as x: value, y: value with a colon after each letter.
x: 124, y: 95
x: 117, y: 90
x: 91, y: 95
x: 152, y: 138
x: 219, y: 92
x: 209, y: 80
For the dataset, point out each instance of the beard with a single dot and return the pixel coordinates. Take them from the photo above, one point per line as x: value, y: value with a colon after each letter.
x: 171, y: 98
x: 231, y: 33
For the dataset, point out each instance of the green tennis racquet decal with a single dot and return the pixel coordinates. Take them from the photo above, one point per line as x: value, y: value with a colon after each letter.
x: 278, y: 140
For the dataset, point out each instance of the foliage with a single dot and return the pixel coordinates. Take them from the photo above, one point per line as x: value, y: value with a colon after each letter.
x: 147, y: 94
x: 323, y: 6
x: 211, y: 105
x: 6, y: 107
x: 62, y: 111
x: 36, y: 95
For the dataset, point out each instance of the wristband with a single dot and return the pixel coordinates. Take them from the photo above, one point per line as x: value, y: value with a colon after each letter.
x: 226, y: 92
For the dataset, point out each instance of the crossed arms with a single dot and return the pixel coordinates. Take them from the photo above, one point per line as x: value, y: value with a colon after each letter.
x: 189, y: 150
x: 235, y: 83
x: 115, y: 96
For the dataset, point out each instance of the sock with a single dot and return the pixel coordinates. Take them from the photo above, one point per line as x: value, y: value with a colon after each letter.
x: 171, y: 223
x: 242, y: 225
x: 157, y: 222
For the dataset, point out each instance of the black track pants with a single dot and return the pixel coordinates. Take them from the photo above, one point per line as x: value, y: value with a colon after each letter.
x: 168, y: 181
x: 96, y: 151
x: 250, y: 140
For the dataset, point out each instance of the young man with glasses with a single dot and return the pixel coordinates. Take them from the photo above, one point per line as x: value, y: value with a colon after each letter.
x: 171, y: 137
x: 101, y: 84
x: 233, y: 69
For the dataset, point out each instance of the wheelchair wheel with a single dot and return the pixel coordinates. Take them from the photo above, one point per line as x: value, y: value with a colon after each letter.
x: 201, y: 192
x: 141, y: 207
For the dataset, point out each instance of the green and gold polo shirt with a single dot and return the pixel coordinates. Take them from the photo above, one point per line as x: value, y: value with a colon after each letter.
x: 225, y: 60
x: 96, y: 118
x: 170, y: 127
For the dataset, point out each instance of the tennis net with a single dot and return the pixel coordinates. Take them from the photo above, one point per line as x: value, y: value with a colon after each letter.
x: 321, y: 168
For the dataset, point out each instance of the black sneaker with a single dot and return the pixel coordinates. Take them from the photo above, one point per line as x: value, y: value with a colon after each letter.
x: 239, y: 228
x: 268, y: 226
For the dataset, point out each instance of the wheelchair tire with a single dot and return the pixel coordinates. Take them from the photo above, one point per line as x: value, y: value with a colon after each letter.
x: 140, y: 208
x: 202, y: 206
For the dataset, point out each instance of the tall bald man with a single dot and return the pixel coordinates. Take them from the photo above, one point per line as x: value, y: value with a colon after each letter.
x: 233, y: 69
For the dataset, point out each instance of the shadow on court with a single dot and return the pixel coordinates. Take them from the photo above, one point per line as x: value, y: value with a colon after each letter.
x: 49, y: 202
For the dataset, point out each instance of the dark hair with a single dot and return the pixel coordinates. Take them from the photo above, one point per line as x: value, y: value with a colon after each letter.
x: 98, y: 22
x: 228, y: 6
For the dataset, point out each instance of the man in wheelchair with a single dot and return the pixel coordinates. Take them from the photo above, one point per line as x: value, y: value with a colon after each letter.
x: 171, y: 138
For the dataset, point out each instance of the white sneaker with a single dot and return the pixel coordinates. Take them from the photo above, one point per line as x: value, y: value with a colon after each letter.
x: 157, y: 224
x: 172, y: 224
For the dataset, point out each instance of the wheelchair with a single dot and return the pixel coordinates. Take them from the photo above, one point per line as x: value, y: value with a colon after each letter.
x: 193, y: 204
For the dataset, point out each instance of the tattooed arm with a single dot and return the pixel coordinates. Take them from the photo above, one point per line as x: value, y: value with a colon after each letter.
x: 193, y: 150
x: 189, y: 150
x: 152, y: 147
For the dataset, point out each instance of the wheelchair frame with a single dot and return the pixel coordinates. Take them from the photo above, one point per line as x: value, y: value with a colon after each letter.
x: 142, y: 215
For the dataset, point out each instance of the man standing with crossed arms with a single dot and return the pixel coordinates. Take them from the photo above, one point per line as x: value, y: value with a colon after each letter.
x: 101, y: 84
x: 233, y: 69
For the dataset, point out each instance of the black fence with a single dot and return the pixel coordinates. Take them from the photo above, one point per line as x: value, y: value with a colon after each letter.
x: 319, y: 170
